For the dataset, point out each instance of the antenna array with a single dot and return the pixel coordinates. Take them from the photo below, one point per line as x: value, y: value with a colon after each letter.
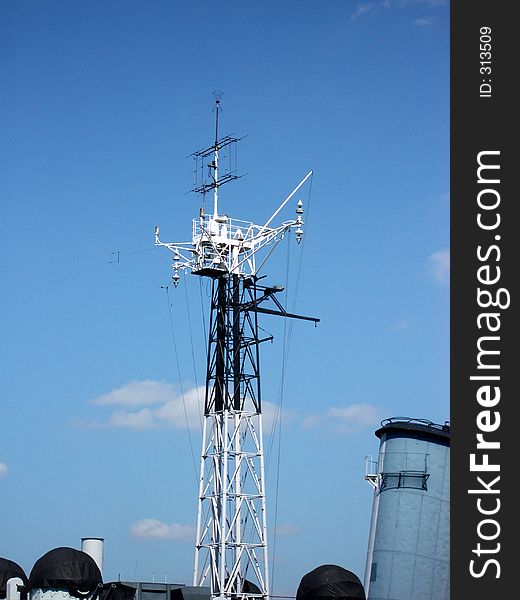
x: 231, y: 551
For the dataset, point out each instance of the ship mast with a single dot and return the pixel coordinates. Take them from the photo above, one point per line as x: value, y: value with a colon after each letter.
x: 231, y: 550
x: 215, y: 153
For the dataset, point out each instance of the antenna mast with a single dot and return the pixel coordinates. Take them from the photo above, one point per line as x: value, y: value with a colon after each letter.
x: 231, y: 553
x: 217, y: 95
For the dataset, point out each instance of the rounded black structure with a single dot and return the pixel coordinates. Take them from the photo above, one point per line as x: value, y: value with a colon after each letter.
x: 330, y: 582
x: 248, y: 587
x: 8, y: 570
x: 66, y: 569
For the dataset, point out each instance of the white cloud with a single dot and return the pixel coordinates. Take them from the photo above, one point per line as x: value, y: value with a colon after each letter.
x: 153, y: 529
x: 440, y: 265
x: 140, y: 419
x: 423, y: 22
x: 429, y: 3
x: 3, y: 469
x: 182, y: 409
x: 133, y: 408
x: 375, y: 6
x: 311, y: 421
x: 362, y: 9
x: 287, y: 529
x: 345, y: 419
x: 137, y: 393
x: 271, y: 415
x: 151, y: 405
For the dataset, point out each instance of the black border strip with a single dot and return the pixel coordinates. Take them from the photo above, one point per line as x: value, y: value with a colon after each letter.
x: 483, y: 120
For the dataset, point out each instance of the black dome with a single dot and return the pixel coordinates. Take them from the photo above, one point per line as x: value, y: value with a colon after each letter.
x: 249, y: 587
x: 330, y: 582
x: 9, y: 569
x: 66, y: 568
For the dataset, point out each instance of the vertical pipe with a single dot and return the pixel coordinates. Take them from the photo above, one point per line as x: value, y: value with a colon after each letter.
x: 11, y: 588
x: 236, y: 343
x: 238, y: 501
x: 257, y: 357
x: 224, y: 502
x: 215, y: 191
x: 198, y: 540
x: 220, y: 360
x: 94, y: 547
x: 263, y: 505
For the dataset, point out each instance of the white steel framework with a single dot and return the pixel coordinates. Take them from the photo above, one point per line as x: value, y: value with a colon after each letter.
x: 231, y: 550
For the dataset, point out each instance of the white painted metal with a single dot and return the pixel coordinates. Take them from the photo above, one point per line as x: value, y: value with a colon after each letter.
x: 408, y: 546
x: 56, y: 594
x: 371, y: 474
x: 232, y: 448
x: 231, y: 245
x: 232, y: 505
x: 215, y: 191
x: 231, y: 538
x: 94, y: 547
x: 11, y: 588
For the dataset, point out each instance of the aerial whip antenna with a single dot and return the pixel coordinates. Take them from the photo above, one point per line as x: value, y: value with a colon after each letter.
x: 217, y: 96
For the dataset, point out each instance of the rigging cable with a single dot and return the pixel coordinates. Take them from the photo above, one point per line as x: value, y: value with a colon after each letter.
x: 287, y: 334
x: 193, y: 353
x: 293, y: 308
x: 277, y: 421
x: 180, y: 381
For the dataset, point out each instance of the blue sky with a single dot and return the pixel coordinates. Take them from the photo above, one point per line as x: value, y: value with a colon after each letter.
x: 101, y: 104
